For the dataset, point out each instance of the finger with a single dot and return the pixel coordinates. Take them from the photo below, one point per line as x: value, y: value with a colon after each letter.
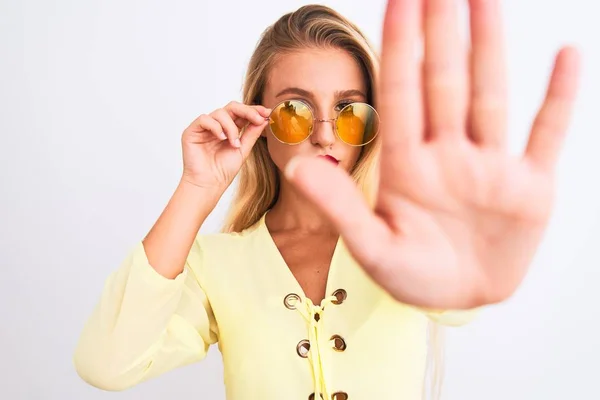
x: 207, y: 123
x: 445, y: 70
x: 400, y: 99
x: 336, y: 195
x: 488, y: 113
x: 250, y: 135
x: 264, y: 113
x: 231, y: 130
x: 262, y: 110
x: 552, y: 120
x: 239, y: 110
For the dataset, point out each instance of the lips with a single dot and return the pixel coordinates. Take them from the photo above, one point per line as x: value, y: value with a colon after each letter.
x: 330, y: 159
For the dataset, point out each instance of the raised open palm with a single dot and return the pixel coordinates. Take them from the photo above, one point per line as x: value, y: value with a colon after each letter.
x: 457, y: 219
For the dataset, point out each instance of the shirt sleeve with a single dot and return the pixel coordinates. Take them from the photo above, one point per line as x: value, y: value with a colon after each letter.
x: 145, y: 324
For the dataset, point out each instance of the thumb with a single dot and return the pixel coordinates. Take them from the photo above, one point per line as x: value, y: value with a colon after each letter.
x: 249, y: 137
x: 337, y: 196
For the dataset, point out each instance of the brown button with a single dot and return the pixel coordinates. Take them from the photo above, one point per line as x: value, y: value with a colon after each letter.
x: 317, y: 317
x: 303, y: 348
x: 312, y: 396
x: 339, y: 396
x: 340, y: 296
x: 339, y: 344
x: 290, y: 301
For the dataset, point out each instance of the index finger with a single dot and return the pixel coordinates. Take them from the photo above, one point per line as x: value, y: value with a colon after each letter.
x: 252, y: 114
x: 400, y: 93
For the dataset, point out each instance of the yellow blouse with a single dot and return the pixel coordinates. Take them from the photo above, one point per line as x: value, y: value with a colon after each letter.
x: 237, y: 291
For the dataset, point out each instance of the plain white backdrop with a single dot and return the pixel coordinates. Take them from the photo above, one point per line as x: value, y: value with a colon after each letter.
x: 94, y: 96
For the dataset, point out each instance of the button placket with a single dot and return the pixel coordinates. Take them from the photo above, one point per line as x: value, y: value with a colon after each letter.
x: 310, y: 348
x: 338, y: 343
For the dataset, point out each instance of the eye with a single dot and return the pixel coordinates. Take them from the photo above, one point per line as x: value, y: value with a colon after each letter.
x: 305, y: 102
x: 340, y: 106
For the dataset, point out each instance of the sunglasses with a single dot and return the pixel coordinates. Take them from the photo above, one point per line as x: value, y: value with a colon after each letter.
x: 292, y: 122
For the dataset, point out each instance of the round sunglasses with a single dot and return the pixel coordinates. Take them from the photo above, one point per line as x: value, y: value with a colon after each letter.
x: 292, y: 122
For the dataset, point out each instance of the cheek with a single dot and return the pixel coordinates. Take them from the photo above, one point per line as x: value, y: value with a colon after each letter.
x: 281, y: 153
x: 351, y: 157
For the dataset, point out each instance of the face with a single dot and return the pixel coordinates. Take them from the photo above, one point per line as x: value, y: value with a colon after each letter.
x: 326, y: 80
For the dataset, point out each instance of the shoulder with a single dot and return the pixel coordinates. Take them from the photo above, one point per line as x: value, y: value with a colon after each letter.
x: 224, y: 250
x: 216, y: 256
x: 227, y: 240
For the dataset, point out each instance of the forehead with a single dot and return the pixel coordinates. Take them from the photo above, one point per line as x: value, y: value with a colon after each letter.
x: 320, y: 71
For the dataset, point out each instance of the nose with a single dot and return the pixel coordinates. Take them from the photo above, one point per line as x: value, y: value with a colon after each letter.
x: 323, y: 132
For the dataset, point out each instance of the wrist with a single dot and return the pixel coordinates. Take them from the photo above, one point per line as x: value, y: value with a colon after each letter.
x: 201, y: 192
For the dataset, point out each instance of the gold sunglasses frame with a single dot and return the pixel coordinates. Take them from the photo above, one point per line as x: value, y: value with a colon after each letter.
x: 334, y: 120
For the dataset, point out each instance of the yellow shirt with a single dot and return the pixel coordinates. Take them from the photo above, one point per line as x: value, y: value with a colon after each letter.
x: 236, y: 291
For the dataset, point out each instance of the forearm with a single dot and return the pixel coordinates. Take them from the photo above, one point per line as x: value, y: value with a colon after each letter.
x: 168, y: 243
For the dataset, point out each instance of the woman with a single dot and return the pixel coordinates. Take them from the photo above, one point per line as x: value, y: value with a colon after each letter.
x: 351, y: 228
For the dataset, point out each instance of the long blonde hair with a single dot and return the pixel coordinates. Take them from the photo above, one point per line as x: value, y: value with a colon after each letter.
x: 310, y: 26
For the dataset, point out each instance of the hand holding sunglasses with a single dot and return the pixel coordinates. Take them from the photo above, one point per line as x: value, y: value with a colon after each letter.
x: 214, y: 150
x: 457, y: 220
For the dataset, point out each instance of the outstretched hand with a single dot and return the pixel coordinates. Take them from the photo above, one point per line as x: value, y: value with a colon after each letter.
x: 457, y: 220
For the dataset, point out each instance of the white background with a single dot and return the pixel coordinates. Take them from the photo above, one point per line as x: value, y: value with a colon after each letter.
x: 94, y: 96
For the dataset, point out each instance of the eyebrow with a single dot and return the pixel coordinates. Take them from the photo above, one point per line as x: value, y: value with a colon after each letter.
x: 306, y: 93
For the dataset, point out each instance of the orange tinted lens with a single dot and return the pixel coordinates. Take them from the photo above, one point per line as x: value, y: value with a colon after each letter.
x: 357, y: 124
x: 291, y: 122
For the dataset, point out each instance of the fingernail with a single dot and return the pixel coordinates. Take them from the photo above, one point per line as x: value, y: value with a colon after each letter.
x: 223, y: 136
x: 237, y: 143
x: 290, y: 168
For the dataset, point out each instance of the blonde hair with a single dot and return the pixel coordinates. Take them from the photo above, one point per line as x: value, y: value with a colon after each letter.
x: 311, y: 26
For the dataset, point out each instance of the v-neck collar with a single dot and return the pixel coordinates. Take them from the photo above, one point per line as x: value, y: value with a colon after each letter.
x: 277, y: 258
